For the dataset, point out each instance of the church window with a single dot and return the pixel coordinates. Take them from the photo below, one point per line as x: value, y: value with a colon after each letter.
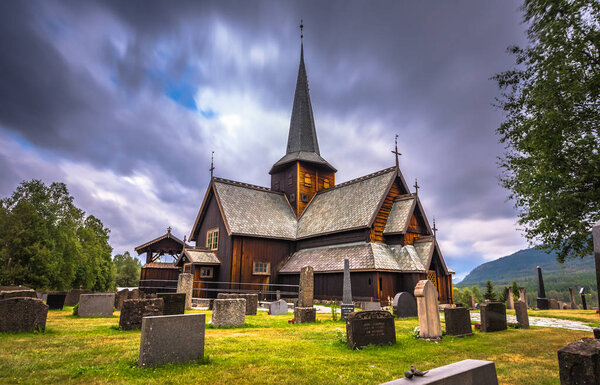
x: 304, y: 198
x: 206, y: 272
x: 187, y: 268
x: 325, y: 183
x: 261, y: 268
x: 307, y: 181
x: 212, y: 239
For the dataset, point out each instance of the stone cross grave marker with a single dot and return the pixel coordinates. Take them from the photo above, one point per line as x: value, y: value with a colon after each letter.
x: 427, y: 306
x: 185, y: 284
x: 171, y: 339
x: 347, y: 304
x: 375, y: 327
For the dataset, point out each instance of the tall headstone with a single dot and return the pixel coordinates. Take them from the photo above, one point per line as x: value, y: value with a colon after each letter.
x: 572, y: 304
x: 596, y: 239
x: 579, y: 362
x: 171, y: 339
x: 185, y: 284
x: 522, y: 316
x: 582, y: 294
x: 493, y: 317
x: 542, y: 301
x: 405, y: 305
x: 307, y: 286
x: 347, y: 304
x: 427, y: 307
x: 523, y: 295
x: 472, y: 302
x: 510, y: 300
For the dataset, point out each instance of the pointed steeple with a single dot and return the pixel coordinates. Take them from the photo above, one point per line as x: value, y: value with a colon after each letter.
x: 303, y: 135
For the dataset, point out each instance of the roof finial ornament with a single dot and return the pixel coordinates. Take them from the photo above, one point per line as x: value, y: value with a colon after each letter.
x: 301, y: 31
x: 169, y: 230
x: 212, y: 164
x: 434, y: 228
x: 396, y: 152
x: 416, y: 186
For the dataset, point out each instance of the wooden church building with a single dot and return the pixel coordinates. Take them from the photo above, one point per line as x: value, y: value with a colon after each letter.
x: 246, y: 234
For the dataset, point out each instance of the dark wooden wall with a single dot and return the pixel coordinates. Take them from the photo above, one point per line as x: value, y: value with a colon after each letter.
x: 334, y: 239
x: 288, y: 180
x: 204, y: 284
x: 384, y: 213
x: 158, y: 275
x: 212, y: 219
x: 317, y: 174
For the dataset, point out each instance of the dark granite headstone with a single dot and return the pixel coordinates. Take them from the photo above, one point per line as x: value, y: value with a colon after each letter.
x: 405, y: 305
x: 458, y: 322
x: 579, y: 362
x: 133, y: 310
x: 543, y: 303
x: 374, y: 327
x: 72, y: 298
x: 597, y: 333
x: 174, y: 303
x: 28, y: 293
x: 22, y: 314
x: 56, y: 301
x: 541, y: 290
x: 471, y: 372
x: 493, y: 317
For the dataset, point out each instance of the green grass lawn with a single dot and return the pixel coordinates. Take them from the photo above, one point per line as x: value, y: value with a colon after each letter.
x: 267, y: 350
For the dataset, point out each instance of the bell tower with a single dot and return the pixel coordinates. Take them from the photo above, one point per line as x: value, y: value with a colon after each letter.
x: 302, y: 172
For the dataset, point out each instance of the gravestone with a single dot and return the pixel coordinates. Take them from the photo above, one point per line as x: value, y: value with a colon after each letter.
x: 307, y: 284
x: 572, y: 303
x: 523, y: 295
x: 427, y: 307
x: 171, y: 339
x: 405, y: 305
x: 251, y: 301
x: 579, y: 362
x: 582, y: 294
x: 94, y: 305
x: 471, y: 302
x: 22, y: 314
x: 522, y: 316
x: 174, y: 303
x: 305, y: 314
x: 471, y: 372
x: 347, y: 304
x: 542, y: 301
x: 278, y: 307
x: 27, y: 293
x: 596, y: 333
x: 120, y: 297
x: 458, y: 322
x: 136, y: 294
x: 56, y: 301
x: 493, y: 317
x: 278, y: 295
x: 185, y: 284
x: 229, y: 312
x: 371, y: 305
x: 553, y: 304
x: 134, y: 310
x: 72, y: 297
x: 510, y: 301
x: 374, y: 327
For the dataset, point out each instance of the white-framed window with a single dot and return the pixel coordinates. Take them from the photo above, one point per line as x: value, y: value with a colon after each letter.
x: 261, y: 268
x: 206, y: 272
x: 212, y: 239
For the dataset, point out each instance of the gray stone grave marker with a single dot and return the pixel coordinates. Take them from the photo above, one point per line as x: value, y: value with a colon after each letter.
x: 510, y: 300
x: 185, y: 284
x: 134, y: 310
x: 427, y: 306
x: 493, y: 317
x: 523, y: 295
x: 305, y: 312
x: 405, y: 305
x: 278, y: 307
x: 471, y: 302
x: 93, y: 305
x: 72, y: 297
x: 522, y: 316
x: 229, y: 312
x: 375, y: 327
x: 174, y: 303
x: 553, y: 304
x: 171, y: 339
x: 347, y: 304
x: 471, y: 372
x: 572, y: 303
x: 22, y: 314
x: 251, y: 301
x: 458, y: 322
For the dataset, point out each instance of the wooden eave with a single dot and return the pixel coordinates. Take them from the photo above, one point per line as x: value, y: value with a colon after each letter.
x: 142, y: 248
x: 210, y: 190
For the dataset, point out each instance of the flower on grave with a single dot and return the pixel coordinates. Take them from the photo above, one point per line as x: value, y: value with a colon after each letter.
x: 597, y: 311
x: 291, y: 321
x: 477, y: 326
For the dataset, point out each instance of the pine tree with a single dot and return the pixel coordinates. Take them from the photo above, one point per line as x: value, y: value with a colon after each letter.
x: 489, y: 291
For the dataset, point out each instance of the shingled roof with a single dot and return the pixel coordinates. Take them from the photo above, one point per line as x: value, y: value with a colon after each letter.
x: 254, y: 210
x: 425, y: 247
x: 346, y: 206
x: 204, y: 257
x: 362, y: 256
x: 400, y: 215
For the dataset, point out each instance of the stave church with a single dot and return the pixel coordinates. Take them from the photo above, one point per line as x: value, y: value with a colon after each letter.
x: 254, y: 238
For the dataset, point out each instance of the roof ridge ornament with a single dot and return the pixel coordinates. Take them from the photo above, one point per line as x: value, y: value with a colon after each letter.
x: 396, y: 152
x: 434, y: 228
x: 416, y: 186
x: 212, y: 164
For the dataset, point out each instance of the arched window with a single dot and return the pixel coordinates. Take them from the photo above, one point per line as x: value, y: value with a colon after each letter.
x: 307, y: 181
x: 325, y: 183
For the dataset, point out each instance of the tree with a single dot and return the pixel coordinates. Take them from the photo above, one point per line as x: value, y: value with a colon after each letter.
x: 515, y: 290
x: 128, y: 270
x: 47, y: 242
x: 551, y: 130
x: 477, y: 294
x: 489, y: 291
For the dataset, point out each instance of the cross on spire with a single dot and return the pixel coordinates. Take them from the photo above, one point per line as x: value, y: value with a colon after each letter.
x: 301, y: 31
x: 396, y: 151
x: 434, y: 228
x: 169, y: 230
x: 212, y: 164
x: 416, y: 186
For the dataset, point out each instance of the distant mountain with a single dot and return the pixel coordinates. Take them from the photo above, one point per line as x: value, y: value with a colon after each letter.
x: 521, y: 267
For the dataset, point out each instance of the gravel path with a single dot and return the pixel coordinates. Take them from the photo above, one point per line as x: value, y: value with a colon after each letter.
x: 545, y: 322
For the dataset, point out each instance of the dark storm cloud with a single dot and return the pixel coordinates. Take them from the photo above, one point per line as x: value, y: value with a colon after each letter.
x: 112, y: 85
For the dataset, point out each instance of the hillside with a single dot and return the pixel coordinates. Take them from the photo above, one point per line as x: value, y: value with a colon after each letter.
x: 521, y: 267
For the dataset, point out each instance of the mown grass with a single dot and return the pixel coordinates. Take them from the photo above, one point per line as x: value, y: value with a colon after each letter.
x: 267, y: 350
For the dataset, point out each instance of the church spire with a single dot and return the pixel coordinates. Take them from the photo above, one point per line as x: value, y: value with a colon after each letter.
x: 302, y: 135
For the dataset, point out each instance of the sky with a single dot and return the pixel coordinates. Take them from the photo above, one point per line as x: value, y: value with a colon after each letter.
x: 125, y: 100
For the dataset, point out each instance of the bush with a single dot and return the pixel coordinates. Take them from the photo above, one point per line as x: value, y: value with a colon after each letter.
x: 76, y: 308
